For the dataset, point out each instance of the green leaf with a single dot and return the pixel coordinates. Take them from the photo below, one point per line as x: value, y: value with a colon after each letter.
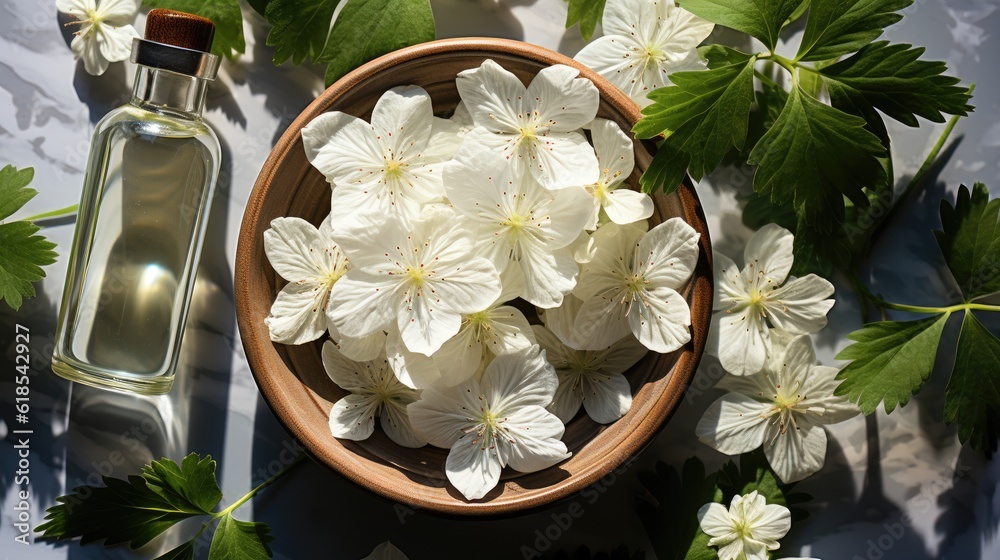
x: 753, y: 474
x: 260, y: 6
x: 762, y: 19
x: 135, y: 510
x: 703, y: 114
x: 893, y: 79
x: 670, y: 514
x: 22, y: 252
x: 838, y: 27
x: 189, y: 487
x: 587, y: 12
x: 889, y: 361
x: 366, y: 29
x: 972, y: 398
x: 225, y: 14
x: 121, y: 511
x: 300, y: 29
x: 970, y: 241
x: 240, y: 540
x: 182, y: 552
x: 666, y: 172
x: 813, y: 156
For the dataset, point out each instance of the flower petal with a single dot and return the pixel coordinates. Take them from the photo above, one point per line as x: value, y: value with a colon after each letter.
x: 743, y: 341
x: 459, y: 357
x: 770, y: 249
x: 446, y: 139
x: 386, y: 551
x: 510, y: 331
x: 819, y: 384
x: 423, y: 325
x: 353, y: 417
x: 534, y: 439
x: 362, y: 349
x: 290, y: 245
x: 733, y: 424
x: 602, y: 320
x: 561, y: 160
x: 668, y: 253
x: 349, y: 375
x: 661, y: 320
x: 548, y: 276
x: 772, y: 525
x: 298, y: 314
x: 473, y: 468
x: 715, y: 520
x: 800, y: 306
x: 797, y: 453
x: 624, y: 206
x: 606, y: 396
x: 87, y: 49
x: 361, y: 303
x: 413, y: 369
x: 614, y: 151
x: 344, y: 149
x: 520, y: 379
x: 493, y: 96
x: 396, y: 424
x: 403, y: 119
x: 116, y: 43
x: 117, y: 12
x: 729, y: 286
x: 76, y: 8
x: 614, y: 57
x: 439, y: 415
x: 564, y: 101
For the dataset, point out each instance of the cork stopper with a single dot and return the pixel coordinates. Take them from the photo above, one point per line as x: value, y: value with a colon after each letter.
x: 180, y: 29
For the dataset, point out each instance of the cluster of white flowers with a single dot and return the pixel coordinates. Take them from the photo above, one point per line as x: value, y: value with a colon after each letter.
x: 438, y: 227
x: 105, y: 34
x: 779, y: 397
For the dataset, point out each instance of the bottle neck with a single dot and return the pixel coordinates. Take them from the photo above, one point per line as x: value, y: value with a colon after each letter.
x: 170, y: 92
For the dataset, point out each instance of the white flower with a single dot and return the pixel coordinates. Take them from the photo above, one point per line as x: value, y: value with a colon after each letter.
x: 631, y: 285
x: 617, y: 159
x: 497, y: 422
x: 386, y: 551
x: 748, y: 529
x: 105, y: 33
x: 424, y: 278
x: 519, y: 224
x: 375, y: 391
x: 392, y: 165
x: 758, y: 298
x: 644, y: 41
x: 312, y: 263
x: 591, y: 378
x: 537, y: 127
x: 783, y: 408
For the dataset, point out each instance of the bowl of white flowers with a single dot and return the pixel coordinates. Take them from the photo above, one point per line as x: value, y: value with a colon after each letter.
x: 450, y: 290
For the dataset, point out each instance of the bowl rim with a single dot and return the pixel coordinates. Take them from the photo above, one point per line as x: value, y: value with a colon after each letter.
x: 254, y: 344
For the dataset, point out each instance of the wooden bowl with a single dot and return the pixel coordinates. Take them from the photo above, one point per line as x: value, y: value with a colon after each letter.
x: 292, y: 378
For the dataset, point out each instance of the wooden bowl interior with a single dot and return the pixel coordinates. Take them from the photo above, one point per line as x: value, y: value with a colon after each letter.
x: 292, y: 378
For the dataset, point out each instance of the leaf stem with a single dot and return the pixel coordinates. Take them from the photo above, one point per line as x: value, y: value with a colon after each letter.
x: 931, y: 310
x: 785, y: 63
x: 52, y: 214
x: 259, y: 487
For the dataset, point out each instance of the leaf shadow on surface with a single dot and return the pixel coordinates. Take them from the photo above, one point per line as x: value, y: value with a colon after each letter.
x: 48, y: 405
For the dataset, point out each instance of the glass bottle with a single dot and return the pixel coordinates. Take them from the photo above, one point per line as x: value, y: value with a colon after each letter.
x: 146, y: 197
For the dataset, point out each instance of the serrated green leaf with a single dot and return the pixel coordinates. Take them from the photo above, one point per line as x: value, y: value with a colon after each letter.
x: 893, y: 79
x: 121, y: 511
x: 813, y: 156
x: 970, y: 241
x: 753, y: 474
x: 14, y: 191
x: 972, y: 398
x: 666, y: 172
x: 587, y: 13
x: 762, y: 19
x: 300, y: 29
x: 838, y: 27
x: 889, y: 361
x: 182, y: 552
x: 367, y: 29
x: 704, y: 114
x: 240, y: 540
x: 717, y: 56
x: 191, y: 486
x: 225, y: 14
x: 22, y: 252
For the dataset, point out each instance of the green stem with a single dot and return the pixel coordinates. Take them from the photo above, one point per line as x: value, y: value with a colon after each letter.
x: 861, y: 292
x: 260, y: 487
x: 785, y: 63
x: 52, y: 213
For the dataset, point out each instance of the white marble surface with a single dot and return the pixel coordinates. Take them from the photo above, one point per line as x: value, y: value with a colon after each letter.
x: 907, y: 464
